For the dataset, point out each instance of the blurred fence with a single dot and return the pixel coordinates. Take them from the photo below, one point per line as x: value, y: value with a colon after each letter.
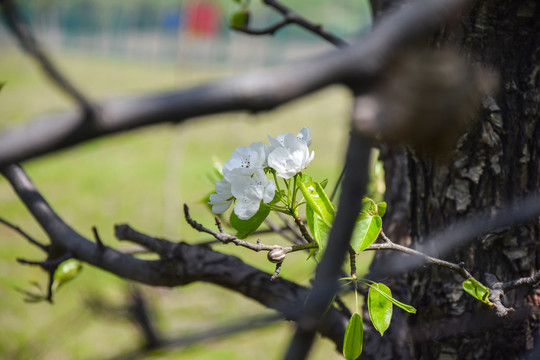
x: 192, y: 32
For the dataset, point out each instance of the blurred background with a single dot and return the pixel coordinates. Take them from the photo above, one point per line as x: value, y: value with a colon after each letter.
x: 111, y: 48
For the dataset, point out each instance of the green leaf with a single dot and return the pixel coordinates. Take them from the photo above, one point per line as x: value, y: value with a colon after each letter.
x: 239, y: 19
x: 2, y: 84
x: 354, y: 337
x: 245, y: 227
x: 319, y: 213
x: 369, y: 206
x: 477, y: 290
x: 381, y: 208
x: 324, y: 183
x: 317, y: 199
x: 305, y: 178
x: 320, y: 231
x: 380, y: 308
x: 366, y: 231
x: 66, y: 271
x: 399, y: 304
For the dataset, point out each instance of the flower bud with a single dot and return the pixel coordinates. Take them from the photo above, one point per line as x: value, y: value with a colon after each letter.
x: 276, y: 255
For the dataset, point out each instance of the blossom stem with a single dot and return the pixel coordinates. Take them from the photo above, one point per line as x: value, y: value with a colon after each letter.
x: 293, y: 202
x: 288, y: 191
x: 278, y: 189
x: 355, y: 296
x: 312, y: 245
x: 281, y: 209
x: 302, y: 227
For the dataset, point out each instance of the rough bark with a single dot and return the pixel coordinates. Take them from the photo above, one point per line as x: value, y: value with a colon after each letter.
x: 495, y: 162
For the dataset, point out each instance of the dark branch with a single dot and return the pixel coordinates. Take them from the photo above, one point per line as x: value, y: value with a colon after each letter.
x: 358, y: 66
x: 98, y: 239
x: 25, y: 235
x: 325, y: 285
x: 389, y: 245
x: 290, y: 16
x: 228, y: 238
x: 530, y: 281
x: 464, y: 232
x: 62, y: 236
x: 232, y: 329
x: 140, y: 314
x: 289, y: 225
x: 283, y: 232
x: 23, y: 33
x: 180, y: 263
x: 49, y: 265
x: 270, y: 30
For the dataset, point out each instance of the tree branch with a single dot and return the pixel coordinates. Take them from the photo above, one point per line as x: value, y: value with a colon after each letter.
x: 357, y: 66
x: 389, y: 245
x: 291, y: 17
x: 325, y: 284
x: 25, y: 235
x: 465, y: 231
x: 228, y: 330
x: 23, y: 33
x: 276, y: 253
x: 270, y: 30
x: 180, y: 263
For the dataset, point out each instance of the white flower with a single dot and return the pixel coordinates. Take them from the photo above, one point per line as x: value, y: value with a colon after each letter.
x: 249, y: 191
x: 245, y: 160
x: 292, y: 156
x: 304, y: 135
x: 223, y: 197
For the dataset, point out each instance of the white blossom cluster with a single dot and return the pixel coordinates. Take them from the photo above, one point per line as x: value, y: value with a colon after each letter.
x: 244, y: 175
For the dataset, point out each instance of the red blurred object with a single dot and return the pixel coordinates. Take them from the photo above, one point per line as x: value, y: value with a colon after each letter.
x: 202, y: 18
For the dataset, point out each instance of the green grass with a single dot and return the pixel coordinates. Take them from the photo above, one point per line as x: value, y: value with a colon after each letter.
x: 142, y: 178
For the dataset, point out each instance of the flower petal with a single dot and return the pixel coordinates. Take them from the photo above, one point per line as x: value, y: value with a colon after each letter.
x: 269, y: 192
x: 246, y: 209
x: 219, y: 204
x: 304, y: 135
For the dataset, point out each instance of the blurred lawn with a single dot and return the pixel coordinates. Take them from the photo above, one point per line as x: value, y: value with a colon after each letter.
x: 142, y: 178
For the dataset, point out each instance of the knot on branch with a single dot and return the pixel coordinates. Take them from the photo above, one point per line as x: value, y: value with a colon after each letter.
x: 424, y: 100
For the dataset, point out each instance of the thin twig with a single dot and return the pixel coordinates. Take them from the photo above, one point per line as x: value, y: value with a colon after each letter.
x: 25, y: 235
x: 125, y: 232
x: 389, y: 245
x: 530, y: 281
x: 232, y: 328
x: 289, y: 224
x: 219, y: 225
x: 325, y: 284
x: 270, y: 30
x: 352, y: 261
x: 99, y: 243
x: 282, y: 232
x: 228, y: 238
x: 360, y: 65
x: 340, y: 179
x: 49, y: 265
x: 276, y: 272
x: 496, y: 289
x: 303, y: 229
x: 291, y: 17
x: 23, y: 33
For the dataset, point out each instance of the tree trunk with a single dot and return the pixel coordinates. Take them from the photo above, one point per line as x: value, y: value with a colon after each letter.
x: 497, y: 161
